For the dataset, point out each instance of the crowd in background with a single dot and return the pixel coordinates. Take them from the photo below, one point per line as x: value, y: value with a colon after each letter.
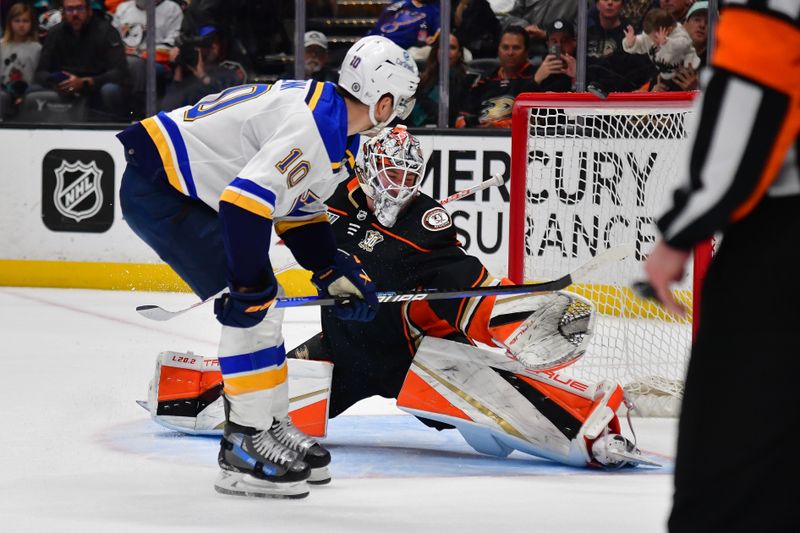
x: 86, y: 60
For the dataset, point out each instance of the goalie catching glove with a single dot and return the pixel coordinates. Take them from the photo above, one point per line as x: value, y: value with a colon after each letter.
x: 345, y: 277
x: 543, y: 331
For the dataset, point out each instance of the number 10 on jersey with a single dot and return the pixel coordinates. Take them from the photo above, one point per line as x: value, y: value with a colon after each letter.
x: 297, y: 170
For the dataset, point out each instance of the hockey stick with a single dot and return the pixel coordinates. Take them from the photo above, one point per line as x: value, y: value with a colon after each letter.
x: 155, y: 312
x: 494, y: 181
x: 159, y: 314
x: 582, y: 274
x: 612, y: 255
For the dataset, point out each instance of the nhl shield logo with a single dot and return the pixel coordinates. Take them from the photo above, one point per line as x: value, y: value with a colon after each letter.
x: 371, y: 238
x: 78, y: 194
x: 78, y: 190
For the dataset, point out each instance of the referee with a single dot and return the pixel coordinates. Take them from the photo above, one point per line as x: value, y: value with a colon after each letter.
x: 737, y: 459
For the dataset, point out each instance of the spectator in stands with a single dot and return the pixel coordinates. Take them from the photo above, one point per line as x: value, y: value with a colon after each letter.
x: 315, y: 58
x: 536, y: 15
x: 557, y: 71
x: 248, y: 30
x: 489, y: 102
x: 686, y: 78
x: 111, y: 5
x: 130, y: 19
x: 634, y: 11
x: 609, y: 68
x: 409, y: 22
x: 696, y: 26
x: 666, y: 43
x: 677, y: 8
x: 476, y: 28
x: 426, y: 110
x: 48, y: 20
x: 83, y: 57
x: 208, y: 74
x: 19, y: 55
x: 501, y: 9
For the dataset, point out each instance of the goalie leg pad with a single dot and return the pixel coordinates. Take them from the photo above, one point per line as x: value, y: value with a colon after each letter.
x: 186, y: 394
x: 499, y: 406
x: 543, y: 331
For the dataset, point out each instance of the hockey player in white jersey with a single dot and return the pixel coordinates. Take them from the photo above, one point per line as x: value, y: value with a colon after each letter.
x: 204, y: 186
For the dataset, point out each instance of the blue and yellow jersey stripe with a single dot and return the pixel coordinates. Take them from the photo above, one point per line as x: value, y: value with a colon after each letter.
x: 252, y: 372
x: 172, y: 150
x: 330, y: 116
x: 249, y: 196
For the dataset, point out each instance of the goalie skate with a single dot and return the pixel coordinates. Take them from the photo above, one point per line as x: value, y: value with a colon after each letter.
x: 615, y: 451
x: 255, y: 464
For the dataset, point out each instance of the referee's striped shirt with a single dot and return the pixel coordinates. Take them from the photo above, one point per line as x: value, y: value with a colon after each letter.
x: 745, y: 143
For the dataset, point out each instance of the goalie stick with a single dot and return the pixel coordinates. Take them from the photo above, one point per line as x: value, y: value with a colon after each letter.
x: 154, y: 312
x: 494, y: 181
x: 581, y: 274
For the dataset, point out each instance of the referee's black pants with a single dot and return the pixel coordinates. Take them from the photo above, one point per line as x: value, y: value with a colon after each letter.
x: 738, y: 460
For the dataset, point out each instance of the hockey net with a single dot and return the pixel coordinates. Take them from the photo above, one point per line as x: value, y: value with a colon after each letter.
x: 588, y: 174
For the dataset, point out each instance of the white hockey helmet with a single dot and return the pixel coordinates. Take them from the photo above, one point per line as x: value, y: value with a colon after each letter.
x: 375, y: 66
x: 390, y: 172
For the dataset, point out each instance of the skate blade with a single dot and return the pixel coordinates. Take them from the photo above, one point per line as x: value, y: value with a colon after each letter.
x: 632, y: 458
x: 319, y: 476
x: 236, y: 484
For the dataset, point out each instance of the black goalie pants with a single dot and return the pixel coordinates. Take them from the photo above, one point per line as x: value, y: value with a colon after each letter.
x: 737, y: 465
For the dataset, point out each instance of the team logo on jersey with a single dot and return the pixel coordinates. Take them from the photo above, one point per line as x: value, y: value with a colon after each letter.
x: 78, y: 190
x: 494, y: 109
x: 436, y: 219
x: 369, y: 241
x: 362, y: 215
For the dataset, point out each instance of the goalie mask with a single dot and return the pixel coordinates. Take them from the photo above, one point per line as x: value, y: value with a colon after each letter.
x: 390, y: 172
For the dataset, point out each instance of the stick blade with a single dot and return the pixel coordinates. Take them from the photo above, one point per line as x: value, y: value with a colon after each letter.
x: 154, y: 312
x: 601, y: 261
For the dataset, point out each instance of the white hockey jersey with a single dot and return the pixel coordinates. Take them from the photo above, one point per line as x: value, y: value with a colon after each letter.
x: 276, y: 150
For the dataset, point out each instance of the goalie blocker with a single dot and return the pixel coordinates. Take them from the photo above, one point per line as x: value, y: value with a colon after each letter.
x: 508, y: 408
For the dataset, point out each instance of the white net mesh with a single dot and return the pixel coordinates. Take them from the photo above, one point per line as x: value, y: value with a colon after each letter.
x: 598, y: 177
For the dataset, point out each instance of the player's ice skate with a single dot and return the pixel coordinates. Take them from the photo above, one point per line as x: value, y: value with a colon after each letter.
x: 254, y: 464
x: 309, y: 450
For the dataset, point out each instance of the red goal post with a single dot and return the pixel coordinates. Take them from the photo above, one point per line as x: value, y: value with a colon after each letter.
x: 590, y: 173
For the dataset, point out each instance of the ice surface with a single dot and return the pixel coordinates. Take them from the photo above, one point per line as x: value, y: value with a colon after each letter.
x: 78, y: 454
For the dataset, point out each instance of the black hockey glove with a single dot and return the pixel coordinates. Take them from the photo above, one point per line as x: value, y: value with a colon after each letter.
x: 244, y: 309
x: 345, y: 277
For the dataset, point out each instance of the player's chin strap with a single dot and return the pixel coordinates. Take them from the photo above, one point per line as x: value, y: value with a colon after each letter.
x: 377, y: 126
